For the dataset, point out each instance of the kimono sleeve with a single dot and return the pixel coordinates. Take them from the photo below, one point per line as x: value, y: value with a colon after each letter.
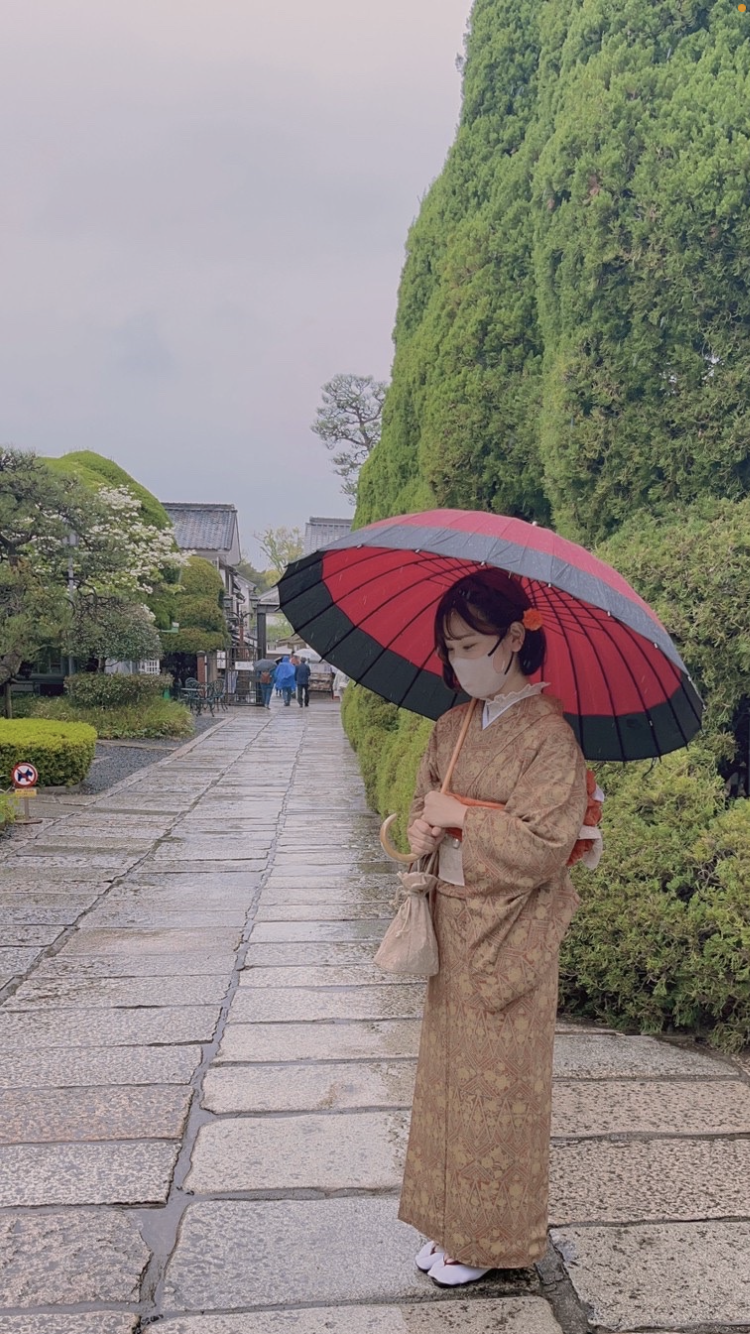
x: 428, y: 778
x: 515, y: 850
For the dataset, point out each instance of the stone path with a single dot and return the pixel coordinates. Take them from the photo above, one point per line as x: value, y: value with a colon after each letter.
x: 205, y: 1083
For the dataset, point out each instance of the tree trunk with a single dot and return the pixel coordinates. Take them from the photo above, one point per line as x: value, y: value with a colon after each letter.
x: 8, y: 700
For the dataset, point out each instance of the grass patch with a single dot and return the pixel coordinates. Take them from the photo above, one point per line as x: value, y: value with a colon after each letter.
x: 147, y: 721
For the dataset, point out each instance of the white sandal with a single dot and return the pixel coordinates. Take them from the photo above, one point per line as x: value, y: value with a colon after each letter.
x: 450, y: 1274
x: 429, y: 1255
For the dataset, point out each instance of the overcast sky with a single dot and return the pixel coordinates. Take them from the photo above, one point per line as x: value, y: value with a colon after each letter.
x: 205, y: 209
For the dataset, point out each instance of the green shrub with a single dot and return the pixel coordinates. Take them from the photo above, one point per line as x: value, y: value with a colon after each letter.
x: 95, y: 471
x: 661, y: 941
x: 201, y: 579
x: 8, y: 810
x: 155, y: 718
x: 389, y: 743
x: 98, y: 689
x: 62, y: 752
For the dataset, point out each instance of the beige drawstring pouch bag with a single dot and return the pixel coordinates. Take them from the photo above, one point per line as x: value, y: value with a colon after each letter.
x: 409, y: 946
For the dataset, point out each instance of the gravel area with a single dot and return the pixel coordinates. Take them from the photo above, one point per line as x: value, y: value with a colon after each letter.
x: 115, y: 760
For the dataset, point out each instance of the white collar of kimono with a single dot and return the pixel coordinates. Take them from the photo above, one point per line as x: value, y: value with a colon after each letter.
x: 493, y: 708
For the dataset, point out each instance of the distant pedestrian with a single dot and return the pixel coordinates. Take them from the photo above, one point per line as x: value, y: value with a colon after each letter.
x: 285, y: 679
x: 340, y: 682
x: 302, y: 678
x: 267, y: 679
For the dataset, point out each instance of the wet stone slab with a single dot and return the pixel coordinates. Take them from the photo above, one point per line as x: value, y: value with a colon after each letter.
x: 206, y: 884
x: 46, y: 910
x: 84, y: 1067
x: 42, y: 1115
x: 327, y: 976
x: 209, y: 1269
x: 668, y: 1276
x: 66, y: 863
x: 629, y: 1107
x: 324, y: 912
x: 607, y: 1056
x: 258, y: 1005
x: 320, y: 1042
x: 87, y: 941
x: 379, y: 889
x: 176, y: 918
x: 97, y: 967
x: 99, y: 1027
x: 302, y: 955
x: 24, y: 937
x: 63, y: 1257
x: 16, y: 961
x: 96, y: 1322
x: 321, y: 1087
x: 68, y: 991
x: 361, y: 1150
x: 282, y: 932
x: 512, y: 1315
x: 105, y: 1173
x: 649, y: 1180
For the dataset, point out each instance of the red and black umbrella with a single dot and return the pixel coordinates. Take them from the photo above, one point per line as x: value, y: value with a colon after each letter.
x: 367, y: 604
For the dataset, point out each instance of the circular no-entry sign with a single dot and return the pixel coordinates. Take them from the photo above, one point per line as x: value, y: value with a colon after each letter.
x: 25, y: 775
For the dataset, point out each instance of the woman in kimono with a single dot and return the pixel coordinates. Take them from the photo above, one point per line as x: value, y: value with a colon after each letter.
x: 477, y: 1166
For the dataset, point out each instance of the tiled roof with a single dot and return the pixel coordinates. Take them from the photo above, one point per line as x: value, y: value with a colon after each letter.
x: 321, y: 532
x: 203, y: 527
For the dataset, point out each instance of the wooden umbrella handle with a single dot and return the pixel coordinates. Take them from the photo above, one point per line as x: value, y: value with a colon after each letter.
x: 457, y: 748
x: 385, y: 841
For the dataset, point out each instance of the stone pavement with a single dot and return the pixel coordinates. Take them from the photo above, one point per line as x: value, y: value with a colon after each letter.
x: 205, y: 1083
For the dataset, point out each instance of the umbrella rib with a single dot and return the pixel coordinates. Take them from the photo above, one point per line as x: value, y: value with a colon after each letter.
x: 635, y: 641
x: 419, y: 567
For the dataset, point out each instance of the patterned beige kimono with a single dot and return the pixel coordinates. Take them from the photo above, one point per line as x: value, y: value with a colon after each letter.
x: 477, y: 1167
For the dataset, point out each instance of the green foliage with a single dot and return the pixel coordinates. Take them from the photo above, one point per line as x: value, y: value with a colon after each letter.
x: 200, y: 579
x: 8, y: 810
x: 37, y: 512
x: 62, y: 752
x: 573, y: 327
x: 572, y: 346
x: 99, y: 689
x: 94, y: 471
x: 389, y: 743
x: 349, y: 421
x: 203, y: 626
x: 693, y: 566
x: 113, y: 627
x: 116, y: 722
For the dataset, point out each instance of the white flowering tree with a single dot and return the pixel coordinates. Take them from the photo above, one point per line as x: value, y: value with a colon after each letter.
x: 77, y: 566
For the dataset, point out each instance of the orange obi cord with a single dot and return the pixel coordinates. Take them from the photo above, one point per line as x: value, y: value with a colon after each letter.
x: 591, y: 818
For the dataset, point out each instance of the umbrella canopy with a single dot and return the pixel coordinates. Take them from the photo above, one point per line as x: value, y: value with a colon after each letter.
x: 367, y: 604
x: 265, y: 664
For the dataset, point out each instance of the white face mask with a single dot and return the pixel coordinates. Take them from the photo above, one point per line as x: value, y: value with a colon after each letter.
x: 478, y: 676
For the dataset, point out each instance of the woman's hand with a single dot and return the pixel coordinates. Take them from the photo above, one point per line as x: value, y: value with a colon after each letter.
x: 444, y: 812
x: 424, y: 838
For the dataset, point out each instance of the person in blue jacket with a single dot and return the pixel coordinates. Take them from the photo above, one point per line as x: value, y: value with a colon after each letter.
x: 285, y: 681
x: 302, y: 676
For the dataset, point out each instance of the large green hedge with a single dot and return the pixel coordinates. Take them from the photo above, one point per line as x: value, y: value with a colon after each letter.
x: 662, y: 938
x: 573, y: 328
x: 102, y: 689
x: 61, y: 752
x: 95, y: 471
x: 198, y: 609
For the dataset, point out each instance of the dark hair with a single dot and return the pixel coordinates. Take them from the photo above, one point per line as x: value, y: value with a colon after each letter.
x: 489, y: 601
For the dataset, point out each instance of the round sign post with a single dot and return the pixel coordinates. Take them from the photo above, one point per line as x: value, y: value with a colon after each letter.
x: 25, y: 779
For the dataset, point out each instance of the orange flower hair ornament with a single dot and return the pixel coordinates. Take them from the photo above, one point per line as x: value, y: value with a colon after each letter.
x: 532, y: 619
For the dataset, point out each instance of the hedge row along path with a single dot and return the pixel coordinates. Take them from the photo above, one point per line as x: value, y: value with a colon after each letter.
x: 205, y: 1083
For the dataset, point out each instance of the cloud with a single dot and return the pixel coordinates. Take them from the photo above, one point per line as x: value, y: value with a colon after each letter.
x: 205, y: 209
